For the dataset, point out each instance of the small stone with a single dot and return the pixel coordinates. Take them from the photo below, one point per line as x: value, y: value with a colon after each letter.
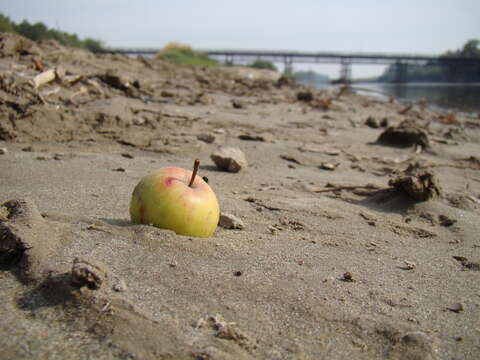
x: 237, y: 104
x: 229, y: 159
x: 85, y: 273
x: 329, y: 166
x: 229, y: 221
x: 3, y: 151
x: 348, y: 277
x: 127, y: 155
x: 120, y: 169
x: 456, y: 308
x: 120, y: 286
x: 206, y: 138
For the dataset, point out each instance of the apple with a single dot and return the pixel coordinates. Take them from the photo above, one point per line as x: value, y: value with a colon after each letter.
x: 176, y: 199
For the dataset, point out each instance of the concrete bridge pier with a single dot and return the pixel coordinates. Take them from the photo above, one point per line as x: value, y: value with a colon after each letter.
x: 346, y: 71
x: 229, y: 60
x: 401, y: 72
x: 288, y: 63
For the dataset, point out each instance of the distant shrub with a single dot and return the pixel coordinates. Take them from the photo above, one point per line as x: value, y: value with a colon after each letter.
x: 263, y: 64
x: 183, y: 54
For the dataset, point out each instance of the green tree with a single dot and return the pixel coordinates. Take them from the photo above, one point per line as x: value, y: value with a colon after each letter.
x: 471, y: 49
x: 39, y: 31
x: 6, y: 25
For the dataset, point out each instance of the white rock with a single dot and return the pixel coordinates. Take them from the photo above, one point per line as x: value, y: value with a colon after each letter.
x: 229, y: 221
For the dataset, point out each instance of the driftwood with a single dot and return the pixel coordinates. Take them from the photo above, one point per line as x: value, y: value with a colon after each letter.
x: 44, y: 78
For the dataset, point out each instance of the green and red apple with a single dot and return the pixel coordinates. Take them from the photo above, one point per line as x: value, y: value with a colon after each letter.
x: 176, y: 199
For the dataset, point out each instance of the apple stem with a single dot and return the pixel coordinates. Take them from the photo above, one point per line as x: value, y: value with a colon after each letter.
x: 195, y: 169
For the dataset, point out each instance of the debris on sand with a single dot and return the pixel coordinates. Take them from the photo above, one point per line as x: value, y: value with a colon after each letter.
x: 228, y: 331
x: 206, y: 138
x: 249, y: 137
x: 420, y: 186
x: 237, y: 104
x: 467, y: 264
x: 372, y: 122
x: 229, y: 159
x: 305, y: 96
x: 86, y: 273
x: 406, y: 134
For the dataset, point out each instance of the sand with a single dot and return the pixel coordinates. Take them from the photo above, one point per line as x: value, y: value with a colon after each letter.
x: 338, y: 258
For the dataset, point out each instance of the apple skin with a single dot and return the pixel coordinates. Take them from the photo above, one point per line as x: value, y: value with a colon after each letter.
x: 164, y: 199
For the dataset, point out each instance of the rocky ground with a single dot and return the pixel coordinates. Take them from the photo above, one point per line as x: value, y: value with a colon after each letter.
x: 356, y: 221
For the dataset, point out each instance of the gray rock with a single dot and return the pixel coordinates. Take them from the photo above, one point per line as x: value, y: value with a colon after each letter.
x: 3, y: 151
x: 229, y: 159
x: 229, y: 221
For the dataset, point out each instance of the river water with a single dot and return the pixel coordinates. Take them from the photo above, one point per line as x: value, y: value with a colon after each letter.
x: 463, y: 97
x: 457, y: 97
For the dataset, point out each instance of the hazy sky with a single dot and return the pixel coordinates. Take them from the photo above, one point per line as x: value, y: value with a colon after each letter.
x: 398, y: 26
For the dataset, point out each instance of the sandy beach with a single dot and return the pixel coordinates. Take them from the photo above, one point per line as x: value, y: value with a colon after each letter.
x: 361, y: 217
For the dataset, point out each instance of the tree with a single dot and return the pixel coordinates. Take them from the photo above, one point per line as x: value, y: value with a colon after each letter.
x: 471, y: 49
x: 39, y: 31
x: 6, y: 24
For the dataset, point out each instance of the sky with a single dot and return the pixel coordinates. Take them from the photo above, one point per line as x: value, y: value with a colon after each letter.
x: 391, y: 26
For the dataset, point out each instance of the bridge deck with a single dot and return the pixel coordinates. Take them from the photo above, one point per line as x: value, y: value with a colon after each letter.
x: 314, y: 57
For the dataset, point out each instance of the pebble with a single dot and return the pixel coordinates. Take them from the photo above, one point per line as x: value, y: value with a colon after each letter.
x: 456, y: 307
x: 229, y: 159
x: 120, y: 286
x: 3, y: 151
x: 229, y: 221
x: 348, y: 277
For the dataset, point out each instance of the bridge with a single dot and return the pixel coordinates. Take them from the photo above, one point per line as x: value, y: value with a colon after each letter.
x: 345, y: 59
